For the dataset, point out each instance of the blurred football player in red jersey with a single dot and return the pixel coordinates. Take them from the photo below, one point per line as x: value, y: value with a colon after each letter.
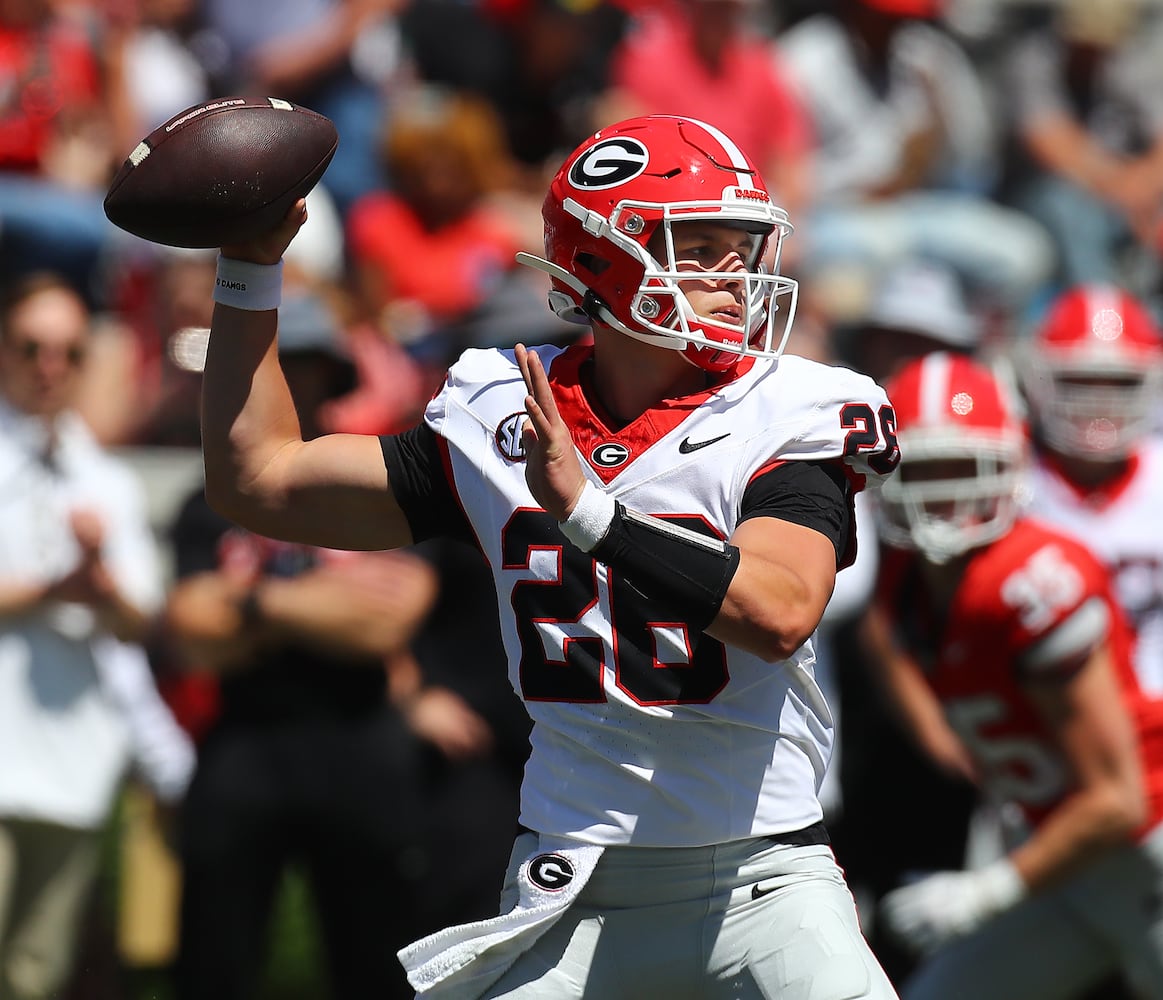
x: 1093, y: 375
x: 664, y: 511
x: 1000, y: 641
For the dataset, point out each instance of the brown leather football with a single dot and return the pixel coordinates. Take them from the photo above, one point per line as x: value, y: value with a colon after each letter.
x: 221, y: 172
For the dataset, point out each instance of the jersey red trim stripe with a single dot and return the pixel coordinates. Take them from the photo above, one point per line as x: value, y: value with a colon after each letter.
x: 446, y: 463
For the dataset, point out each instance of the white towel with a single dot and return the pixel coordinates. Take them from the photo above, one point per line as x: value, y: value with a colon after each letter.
x: 465, y: 960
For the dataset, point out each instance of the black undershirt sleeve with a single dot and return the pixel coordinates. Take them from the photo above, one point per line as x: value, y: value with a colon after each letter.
x: 814, y: 494
x: 419, y: 481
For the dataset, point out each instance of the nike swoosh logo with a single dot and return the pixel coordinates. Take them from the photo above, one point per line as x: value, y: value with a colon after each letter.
x: 757, y: 892
x: 688, y: 446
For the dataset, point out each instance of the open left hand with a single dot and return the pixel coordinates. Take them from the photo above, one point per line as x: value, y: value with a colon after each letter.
x: 552, y: 468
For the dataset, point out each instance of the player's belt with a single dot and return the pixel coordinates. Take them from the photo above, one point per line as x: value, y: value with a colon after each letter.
x: 808, y: 836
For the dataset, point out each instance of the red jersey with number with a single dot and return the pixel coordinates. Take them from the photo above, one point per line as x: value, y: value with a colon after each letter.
x: 1034, y: 602
x: 646, y: 732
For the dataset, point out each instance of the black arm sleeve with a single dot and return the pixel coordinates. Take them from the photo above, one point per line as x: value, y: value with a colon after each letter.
x: 814, y: 494
x: 420, y: 483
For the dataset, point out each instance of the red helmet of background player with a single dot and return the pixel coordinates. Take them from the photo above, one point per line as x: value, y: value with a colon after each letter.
x: 610, y: 252
x: 1092, y: 372
x: 963, y: 451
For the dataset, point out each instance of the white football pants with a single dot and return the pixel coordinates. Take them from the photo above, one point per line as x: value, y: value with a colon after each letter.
x: 751, y: 920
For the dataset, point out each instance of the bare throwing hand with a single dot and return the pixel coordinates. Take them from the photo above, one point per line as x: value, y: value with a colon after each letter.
x: 270, y: 247
x: 552, y: 469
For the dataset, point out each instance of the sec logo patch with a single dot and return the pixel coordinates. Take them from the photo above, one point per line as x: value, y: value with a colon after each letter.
x: 508, y: 437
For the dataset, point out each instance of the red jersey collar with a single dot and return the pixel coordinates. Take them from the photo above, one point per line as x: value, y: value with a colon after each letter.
x: 608, y: 448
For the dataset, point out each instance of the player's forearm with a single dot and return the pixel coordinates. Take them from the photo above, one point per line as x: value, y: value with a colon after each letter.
x: 905, y: 689
x: 778, y: 594
x: 1083, y: 827
x: 911, y: 697
x: 769, y: 610
x: 1108, y: 800
x: 247, y: 414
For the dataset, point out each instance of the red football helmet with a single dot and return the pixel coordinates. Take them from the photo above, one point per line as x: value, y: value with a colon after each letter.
x: 963, y: 451
x: 624, y: 185
x: 1092, y: 371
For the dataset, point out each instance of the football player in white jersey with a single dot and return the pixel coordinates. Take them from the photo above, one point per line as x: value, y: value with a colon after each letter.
x: 1092, y: 372
x: 664, y: 513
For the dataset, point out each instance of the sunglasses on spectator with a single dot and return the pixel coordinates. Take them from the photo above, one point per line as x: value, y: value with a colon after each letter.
x: 31, y: 350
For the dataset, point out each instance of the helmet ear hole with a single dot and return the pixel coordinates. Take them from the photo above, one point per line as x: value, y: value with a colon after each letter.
x: 591, y: 262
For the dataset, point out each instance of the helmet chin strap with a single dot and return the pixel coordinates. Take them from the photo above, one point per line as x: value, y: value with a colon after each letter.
x: 603, y: 313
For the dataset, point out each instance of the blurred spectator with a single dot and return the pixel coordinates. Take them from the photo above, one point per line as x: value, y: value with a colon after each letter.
x: 306, y: 765
x: 1004, y: 650
x: 332, y: 750
x: 1085, y: 99
x: 167, y: 321
x: 539, y: 63
x: 79, y: 583
x: 706, y: 59
x: 916, y: 306
x: 1092, y: 371
x: 905, y: 157
x: 141, y: 384
x: 58, y: 146
x: 470, y: 777
x: 434, y: 257
x: 152, y: 50
x: 146, y: 388
x: 336, y: 57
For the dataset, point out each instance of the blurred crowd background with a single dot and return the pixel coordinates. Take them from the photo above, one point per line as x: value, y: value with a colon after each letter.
x: 318, y: 753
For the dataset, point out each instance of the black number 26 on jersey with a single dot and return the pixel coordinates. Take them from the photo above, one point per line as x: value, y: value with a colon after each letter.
x: 871, y: 435
x: 570, y: 666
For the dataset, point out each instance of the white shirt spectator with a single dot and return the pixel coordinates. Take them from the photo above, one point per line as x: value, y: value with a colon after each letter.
x: 861, y: 132
x: 66, y: 737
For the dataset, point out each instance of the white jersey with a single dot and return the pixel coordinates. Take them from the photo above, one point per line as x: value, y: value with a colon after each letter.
x: 1124, y: 528
x: 645, y: 733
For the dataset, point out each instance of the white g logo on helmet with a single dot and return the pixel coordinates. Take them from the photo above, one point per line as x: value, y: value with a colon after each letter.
x: 609, y: 163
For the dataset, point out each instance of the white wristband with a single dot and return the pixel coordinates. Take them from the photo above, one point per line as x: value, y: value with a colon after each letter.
x: 590, y: 518
x: 246, y: 285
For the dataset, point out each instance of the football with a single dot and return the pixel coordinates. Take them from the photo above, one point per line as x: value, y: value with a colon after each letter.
x: 221, y: 172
